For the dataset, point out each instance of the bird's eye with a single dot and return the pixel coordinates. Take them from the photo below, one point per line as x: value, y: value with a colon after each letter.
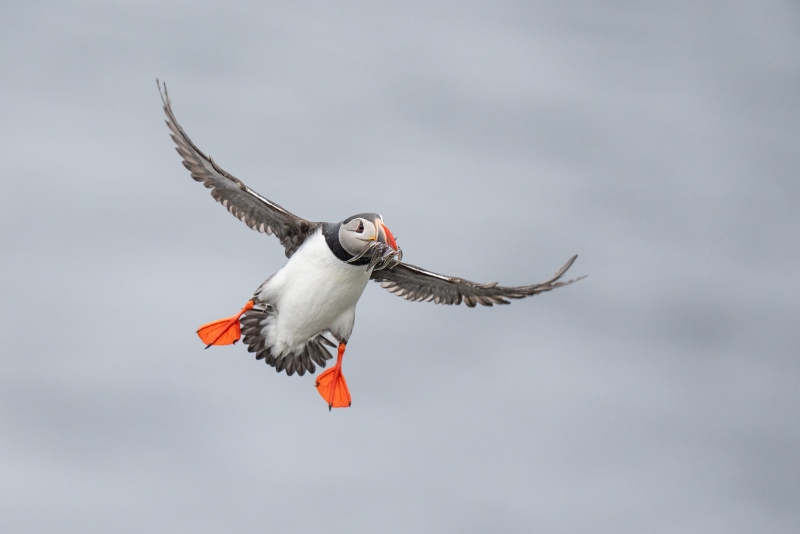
x: 360, y: 229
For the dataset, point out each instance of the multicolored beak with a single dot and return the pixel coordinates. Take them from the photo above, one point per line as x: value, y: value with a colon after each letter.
x: 385, y: 236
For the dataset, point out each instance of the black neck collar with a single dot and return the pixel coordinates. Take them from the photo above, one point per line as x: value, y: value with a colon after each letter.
x: 331, y: 233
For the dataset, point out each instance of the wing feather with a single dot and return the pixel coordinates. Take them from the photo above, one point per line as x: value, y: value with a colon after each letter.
x: 417, y: 284
x: 255, y: 211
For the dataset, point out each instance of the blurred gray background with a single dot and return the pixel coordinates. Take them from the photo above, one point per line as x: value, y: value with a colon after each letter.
x: 660, y: 141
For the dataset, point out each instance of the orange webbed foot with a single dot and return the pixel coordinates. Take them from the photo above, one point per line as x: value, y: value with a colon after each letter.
x: 333, y: 388
x: 224, y: 331
x: 332, y: 385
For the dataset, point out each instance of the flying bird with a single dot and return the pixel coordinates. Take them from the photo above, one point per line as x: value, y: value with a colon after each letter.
x: 309, y: 305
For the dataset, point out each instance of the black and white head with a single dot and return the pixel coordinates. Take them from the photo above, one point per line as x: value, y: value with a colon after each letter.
x: 363, y: 239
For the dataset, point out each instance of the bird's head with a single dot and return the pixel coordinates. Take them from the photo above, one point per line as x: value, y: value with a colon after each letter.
x: 366, y: 236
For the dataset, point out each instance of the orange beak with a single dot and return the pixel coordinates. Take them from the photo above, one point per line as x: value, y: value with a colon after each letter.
x: 388, y: 235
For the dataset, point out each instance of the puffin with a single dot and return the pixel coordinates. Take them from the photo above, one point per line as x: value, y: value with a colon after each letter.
x: 308, y: 307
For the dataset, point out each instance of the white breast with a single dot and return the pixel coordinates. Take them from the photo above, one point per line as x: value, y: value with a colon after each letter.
x: 313, y: 292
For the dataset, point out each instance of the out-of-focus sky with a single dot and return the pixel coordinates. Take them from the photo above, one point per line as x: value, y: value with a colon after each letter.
x: 659, y: 141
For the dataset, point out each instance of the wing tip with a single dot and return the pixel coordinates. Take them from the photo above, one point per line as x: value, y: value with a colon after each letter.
x: 163, y: 92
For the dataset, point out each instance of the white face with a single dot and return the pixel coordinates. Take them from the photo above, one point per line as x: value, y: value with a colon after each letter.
x: 365, y: 236
x: 355, y: 236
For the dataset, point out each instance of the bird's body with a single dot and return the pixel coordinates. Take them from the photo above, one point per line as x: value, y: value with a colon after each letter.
x: 313, y: 293
x: 309, y: 305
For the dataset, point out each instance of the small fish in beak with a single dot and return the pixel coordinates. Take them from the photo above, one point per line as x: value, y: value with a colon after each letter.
x: 383, y: 252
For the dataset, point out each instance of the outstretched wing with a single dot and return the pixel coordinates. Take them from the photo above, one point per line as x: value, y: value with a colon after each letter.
x: 415, y: 284
x: 245, y: 204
